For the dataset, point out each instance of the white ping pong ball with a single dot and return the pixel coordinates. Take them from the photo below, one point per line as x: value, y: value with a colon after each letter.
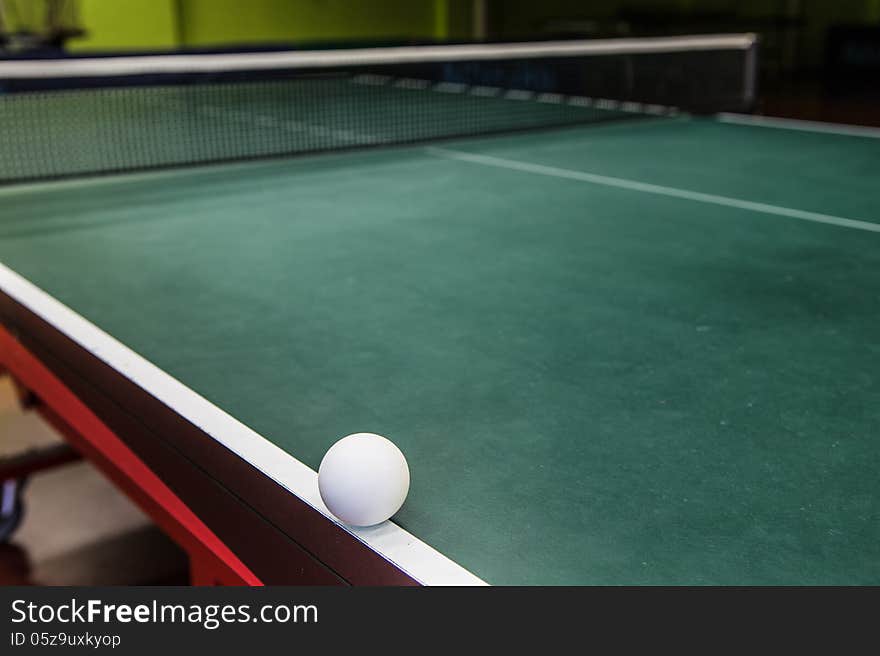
x: 363, y: 479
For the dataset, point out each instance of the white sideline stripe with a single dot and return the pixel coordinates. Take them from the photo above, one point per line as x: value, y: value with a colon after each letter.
x: 660, y: 190
x: 798, y: 124
x: 375, y: 80
x: 450, y: 87
x: 396, y: 545
x: 98, y: 66
x: 250, y: 119
x: 297, y: 127
x: 122, y: 177
x: 484, y: 91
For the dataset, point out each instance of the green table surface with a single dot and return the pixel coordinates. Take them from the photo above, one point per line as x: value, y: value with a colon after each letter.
x: 593, y: 382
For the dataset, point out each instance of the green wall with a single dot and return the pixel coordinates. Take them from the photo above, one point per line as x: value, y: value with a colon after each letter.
x: 153, y: 24
x: 223, y: 22
x: 127, y: 25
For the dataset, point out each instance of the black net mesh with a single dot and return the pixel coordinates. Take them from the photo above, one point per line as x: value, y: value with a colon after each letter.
x: 64, y: 118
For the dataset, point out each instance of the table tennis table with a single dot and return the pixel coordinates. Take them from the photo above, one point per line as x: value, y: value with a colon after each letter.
x: 619, y: 342
x: 631, y: 353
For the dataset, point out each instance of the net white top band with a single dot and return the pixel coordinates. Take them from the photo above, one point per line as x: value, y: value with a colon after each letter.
x: 214, y: 63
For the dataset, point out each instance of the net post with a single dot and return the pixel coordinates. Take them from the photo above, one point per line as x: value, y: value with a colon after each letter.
x: 750, y: 72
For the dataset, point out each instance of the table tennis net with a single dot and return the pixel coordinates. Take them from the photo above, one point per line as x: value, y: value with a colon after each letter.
x: 83, y: 116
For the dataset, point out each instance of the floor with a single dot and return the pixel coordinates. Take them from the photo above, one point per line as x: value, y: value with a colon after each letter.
x: 78, y: 529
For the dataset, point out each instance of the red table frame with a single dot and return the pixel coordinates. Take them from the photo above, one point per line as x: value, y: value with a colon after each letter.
x: 211, y: 561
